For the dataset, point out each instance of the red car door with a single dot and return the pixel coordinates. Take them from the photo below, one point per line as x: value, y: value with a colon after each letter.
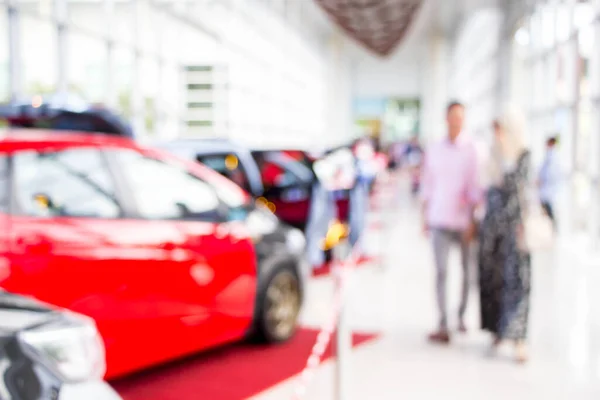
x: 215, y: 272
x: 73, y: 245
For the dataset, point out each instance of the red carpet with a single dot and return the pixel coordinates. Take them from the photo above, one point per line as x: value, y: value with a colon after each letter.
x: 325, y: 269
x: 231, y: 373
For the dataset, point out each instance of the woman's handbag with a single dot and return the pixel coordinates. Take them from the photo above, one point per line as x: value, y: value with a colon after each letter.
x: 539, y: 230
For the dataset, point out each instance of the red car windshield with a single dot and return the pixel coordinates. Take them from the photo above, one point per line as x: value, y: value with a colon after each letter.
x: 230, y: 193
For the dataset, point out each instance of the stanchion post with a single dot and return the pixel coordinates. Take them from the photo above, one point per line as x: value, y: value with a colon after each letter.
x: 343, y: 338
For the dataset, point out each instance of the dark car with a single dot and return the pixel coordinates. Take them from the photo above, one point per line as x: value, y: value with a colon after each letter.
x: 47, y: 353
x: 58, y: 114
x: 149, y: 245
x: 275, y: 177
x: 287, y: 191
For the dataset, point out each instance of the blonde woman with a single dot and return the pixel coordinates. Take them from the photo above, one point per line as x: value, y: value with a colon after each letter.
x: 504, y: 259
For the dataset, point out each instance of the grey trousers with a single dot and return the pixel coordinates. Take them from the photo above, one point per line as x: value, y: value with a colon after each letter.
x: 443, y: 240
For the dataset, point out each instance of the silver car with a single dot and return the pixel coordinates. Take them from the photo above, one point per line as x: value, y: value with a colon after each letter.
x: 49, y: 354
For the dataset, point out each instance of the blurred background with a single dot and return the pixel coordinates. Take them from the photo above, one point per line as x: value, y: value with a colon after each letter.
x: 322, y: 74
x: 254, y: 69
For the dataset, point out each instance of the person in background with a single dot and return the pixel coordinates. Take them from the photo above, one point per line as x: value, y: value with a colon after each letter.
x: 450, y: 193
x: 323, y: 208
x: 364, y: 154
x: 414, y: 160
x: 504, y: 259
x: 548, y: 179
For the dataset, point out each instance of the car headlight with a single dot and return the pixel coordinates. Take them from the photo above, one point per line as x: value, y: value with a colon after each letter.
x: 296, y: 241
x: 72, y: 349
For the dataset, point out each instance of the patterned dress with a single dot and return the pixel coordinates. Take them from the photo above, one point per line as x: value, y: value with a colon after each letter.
x: 504, y: 261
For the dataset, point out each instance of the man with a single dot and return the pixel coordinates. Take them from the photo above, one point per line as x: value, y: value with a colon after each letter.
x: 366, y: 170
x: 450, y: 193
x: 548, y: 179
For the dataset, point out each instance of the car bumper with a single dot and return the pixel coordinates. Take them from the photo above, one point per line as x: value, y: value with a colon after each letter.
x: 96, y: 390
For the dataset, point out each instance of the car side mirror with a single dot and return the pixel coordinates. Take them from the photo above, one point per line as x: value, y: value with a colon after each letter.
x: 44, y: 201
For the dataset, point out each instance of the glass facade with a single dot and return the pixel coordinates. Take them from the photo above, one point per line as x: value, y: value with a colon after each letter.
x: 475, y: 74
x: 132, y: 55
x: 562, y: 61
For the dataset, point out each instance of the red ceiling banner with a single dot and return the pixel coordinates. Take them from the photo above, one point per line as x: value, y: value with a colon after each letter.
x: 380, y: 25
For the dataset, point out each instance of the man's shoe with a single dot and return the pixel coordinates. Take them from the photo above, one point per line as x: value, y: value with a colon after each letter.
x: 439, y: 337
x: 462, y: 328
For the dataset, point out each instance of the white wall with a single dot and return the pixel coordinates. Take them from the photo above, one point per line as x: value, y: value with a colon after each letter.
x: 397, y: 76
x: 434, y: 86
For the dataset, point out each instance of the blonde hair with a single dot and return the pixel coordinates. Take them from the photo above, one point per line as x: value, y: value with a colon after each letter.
x: 508, y: 148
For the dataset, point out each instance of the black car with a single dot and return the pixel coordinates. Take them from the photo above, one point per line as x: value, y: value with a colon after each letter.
x: 49, y: 354
x: 58, y: 115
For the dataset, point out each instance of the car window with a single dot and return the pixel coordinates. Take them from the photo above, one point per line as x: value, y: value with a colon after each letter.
x: 227, y: 165
x: 293, y: 172
x: 167, y: 191
x: 72, y: 182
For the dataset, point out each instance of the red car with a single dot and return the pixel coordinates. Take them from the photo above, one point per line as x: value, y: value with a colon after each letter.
x: 166, y: 255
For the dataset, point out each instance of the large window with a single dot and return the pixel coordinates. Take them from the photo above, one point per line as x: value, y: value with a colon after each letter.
x: 39, y: 54
x: 88, y: 69
x: 150, y: 76
x: 68, y: 183
x: 90, y: 16
x: 124, y: 22
x: 4, y: 78
x: 123, y: 76
x: 167, y: 191
x: 566, y: 77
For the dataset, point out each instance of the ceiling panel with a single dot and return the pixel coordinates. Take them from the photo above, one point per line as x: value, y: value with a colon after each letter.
x: 380, y: 25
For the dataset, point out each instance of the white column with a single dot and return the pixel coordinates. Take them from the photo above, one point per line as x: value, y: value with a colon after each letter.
x: 60, y: 15
x: 434, y: 81
x: 505, y: 60
x: 110, y: 95
x: 594, y: 224
x: 339, y: 102
x: 14, y: 51
x: 137, y: 100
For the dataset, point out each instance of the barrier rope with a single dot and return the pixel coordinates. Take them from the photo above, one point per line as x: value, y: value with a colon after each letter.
x: 324, y: 337
x: 340, y: 270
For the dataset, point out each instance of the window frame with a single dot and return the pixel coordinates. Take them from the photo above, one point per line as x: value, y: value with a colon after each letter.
x: 16, y: 209
x: 124, y: 183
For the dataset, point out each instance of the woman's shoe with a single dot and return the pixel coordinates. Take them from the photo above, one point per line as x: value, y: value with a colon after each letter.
x: 493, y: 349
x: 521, y: 352
x: 497, y: 341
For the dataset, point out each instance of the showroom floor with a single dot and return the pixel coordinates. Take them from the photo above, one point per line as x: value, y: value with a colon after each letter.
x: 393, y: 297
